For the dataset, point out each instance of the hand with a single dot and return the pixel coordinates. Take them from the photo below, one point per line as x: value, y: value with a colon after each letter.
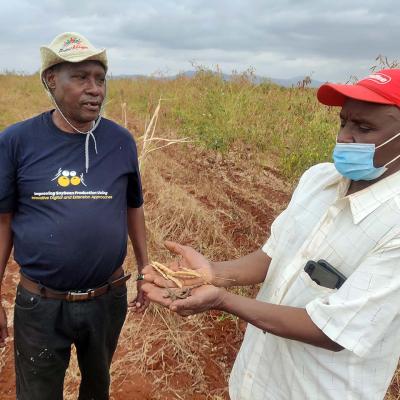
x: 3, y: 327
x: 156, y: 294
x: 152, y: 276
x: 140, y: 302
x: 190, y: 258
x: 202, y: 299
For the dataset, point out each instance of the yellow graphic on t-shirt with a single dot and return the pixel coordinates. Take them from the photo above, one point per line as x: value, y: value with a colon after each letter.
x: 65, y: 178
x: 70, y: 182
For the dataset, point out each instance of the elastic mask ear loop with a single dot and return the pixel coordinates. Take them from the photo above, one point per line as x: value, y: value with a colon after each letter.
x: 387, y: 141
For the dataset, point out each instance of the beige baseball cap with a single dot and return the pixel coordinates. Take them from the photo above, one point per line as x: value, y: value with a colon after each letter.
x: 70, y: 47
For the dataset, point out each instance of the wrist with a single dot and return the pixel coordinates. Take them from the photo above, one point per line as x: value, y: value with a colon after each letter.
x: 222, y: 299
x: 213, y: 274
x: 221, y: 276
x: 142, y: 265
x: 217, y: 275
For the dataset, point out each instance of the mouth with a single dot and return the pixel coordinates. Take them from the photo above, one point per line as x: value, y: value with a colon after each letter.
x: 91, y: 105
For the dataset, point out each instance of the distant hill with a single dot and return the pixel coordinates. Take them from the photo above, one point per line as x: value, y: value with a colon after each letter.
x: 289, y: 82
x: 294, y: 82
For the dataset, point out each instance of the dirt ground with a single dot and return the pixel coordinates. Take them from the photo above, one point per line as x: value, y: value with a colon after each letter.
x: 167, y: 357
x: 222, y: 205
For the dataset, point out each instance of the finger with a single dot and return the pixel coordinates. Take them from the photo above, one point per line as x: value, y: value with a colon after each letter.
x: 141, y: 295
x: 186, y: 313
x: 183, y: 312
x: 156, y: 294
x: 138, y: 300
x: 147, y: 287
x: 147, y: 269
x: 164, y: 283
x: 159, y: 281
x: 141, y: 299
x: 160, y: 299
x: 174, y: 247
x: 149, y: 276
x: 134, y: 304
x: 143, y: 306
x: 137, y: 307
x: 182, y: 305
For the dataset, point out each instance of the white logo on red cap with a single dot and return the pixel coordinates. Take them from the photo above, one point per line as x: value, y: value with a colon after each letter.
x: 380, y: 79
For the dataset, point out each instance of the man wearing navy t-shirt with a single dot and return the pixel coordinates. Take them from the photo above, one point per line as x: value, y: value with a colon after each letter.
x: 70, y: 194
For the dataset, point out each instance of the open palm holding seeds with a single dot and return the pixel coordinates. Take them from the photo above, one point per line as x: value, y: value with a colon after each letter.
x: 184, y: 278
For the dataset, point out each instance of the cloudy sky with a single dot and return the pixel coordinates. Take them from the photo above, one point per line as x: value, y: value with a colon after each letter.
x: 330, y: 39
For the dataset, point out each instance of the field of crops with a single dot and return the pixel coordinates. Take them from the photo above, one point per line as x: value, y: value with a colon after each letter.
x: 246, y: 145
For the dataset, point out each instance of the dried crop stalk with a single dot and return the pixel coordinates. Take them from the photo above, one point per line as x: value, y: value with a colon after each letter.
x: 169, y: 274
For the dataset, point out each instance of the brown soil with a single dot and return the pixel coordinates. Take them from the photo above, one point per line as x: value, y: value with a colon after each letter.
x: 161, y: 356
x: 247, y: 200
x: 7, y: 387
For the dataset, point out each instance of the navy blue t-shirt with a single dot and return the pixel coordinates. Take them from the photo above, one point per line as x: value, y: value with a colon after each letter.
x: 69, y: 226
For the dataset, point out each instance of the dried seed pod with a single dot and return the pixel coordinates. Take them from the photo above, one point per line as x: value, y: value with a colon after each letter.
x: 176, y: 281
x: 159, y: 270
x: 192, y: 272
x: 166, y: 273
x: 184, y: 274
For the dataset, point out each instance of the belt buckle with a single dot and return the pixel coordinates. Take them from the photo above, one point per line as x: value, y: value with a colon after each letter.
x: 79, y: 296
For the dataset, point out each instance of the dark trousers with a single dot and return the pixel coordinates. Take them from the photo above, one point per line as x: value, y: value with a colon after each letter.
x: 45, y: 329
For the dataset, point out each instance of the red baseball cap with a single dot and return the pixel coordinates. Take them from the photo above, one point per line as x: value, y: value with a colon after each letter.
x: 381, y: 87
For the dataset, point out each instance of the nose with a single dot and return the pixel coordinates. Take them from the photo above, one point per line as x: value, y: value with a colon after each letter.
x: 93, y: 88
x: 345, y: 135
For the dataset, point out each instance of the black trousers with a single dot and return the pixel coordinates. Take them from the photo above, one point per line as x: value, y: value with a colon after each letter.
x: 45, y: 329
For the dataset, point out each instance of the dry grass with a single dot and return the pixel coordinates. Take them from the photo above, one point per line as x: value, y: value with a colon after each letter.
x: 274, y: 122
x: 168, y: 346
x: 394, y: 389
x: 197, y: 197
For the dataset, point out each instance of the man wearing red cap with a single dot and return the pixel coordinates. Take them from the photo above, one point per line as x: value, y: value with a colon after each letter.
x: 326, y: 322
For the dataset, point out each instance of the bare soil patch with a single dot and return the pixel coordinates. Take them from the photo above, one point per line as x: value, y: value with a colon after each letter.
x: 222, y: 208
x: 163, y: 356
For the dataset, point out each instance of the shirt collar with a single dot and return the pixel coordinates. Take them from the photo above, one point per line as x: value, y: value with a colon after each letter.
x: 366, y: 201
x: 333, y: 178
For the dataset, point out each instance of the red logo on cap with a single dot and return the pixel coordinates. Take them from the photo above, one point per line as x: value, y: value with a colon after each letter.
x: 380, y: 79
x: 72, y: 43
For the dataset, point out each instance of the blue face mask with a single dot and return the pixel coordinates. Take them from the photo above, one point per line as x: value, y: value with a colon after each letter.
x: 355, y: 161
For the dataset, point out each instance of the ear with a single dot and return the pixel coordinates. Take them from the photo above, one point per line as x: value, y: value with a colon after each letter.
x: 50, y: 78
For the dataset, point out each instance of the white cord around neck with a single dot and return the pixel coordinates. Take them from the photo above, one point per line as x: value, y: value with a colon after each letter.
x: 89, y: 133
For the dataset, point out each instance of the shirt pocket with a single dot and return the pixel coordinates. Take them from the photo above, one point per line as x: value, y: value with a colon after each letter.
x: 303, y: 290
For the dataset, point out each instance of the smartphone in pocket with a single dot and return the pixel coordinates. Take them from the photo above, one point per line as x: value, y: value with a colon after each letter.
x: 324, y: 274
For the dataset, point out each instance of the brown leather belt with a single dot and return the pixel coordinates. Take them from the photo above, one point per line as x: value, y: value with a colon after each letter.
x: 116, y: 279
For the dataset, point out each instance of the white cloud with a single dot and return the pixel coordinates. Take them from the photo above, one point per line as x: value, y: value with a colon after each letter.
x: 279, y: 39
